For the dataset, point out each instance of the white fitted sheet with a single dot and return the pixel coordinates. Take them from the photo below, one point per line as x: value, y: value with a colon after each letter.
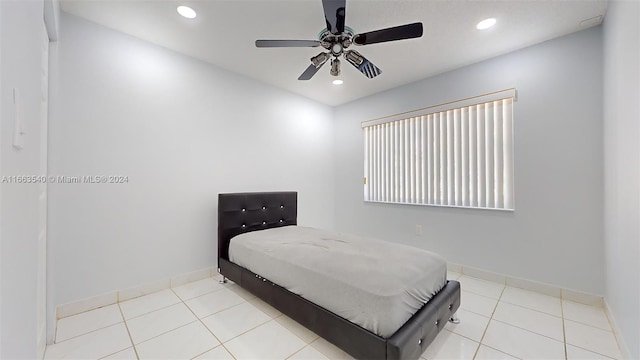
x: 376, y: 284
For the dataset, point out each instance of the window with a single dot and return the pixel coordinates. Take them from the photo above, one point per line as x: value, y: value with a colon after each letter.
x: 457, y: 154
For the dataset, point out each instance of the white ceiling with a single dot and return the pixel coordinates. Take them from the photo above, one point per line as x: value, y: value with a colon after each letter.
x: 224, y: 32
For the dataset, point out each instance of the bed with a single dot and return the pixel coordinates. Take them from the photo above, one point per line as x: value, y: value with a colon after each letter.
x: 276, y: 212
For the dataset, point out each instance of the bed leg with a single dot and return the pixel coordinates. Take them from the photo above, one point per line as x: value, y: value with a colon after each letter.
x: 454, y: 319
x: 224, y: 279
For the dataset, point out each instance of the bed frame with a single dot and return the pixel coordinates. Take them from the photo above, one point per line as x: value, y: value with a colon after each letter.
x: 243, y: 212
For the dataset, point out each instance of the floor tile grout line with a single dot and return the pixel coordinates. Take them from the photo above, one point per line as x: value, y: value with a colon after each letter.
x: 174, y: 293
x: 464, y: 336
x: 501, y: 351
x: 113, y: 353
x: 565, y: 343
x: 477, y: 313
x: 206, y: 327
x: 320, y: 351
x: 215, y: 347
x: 86, y: 333
x: 209, y: 330
x: 589, y: 325
x: 271, y: 319
x: 201, y: 322
x: 135, y: 351
x: 529, y: 308
x: 297, y: 351
x: 489, y: 323
x: 124, y: 320
x: 218, y: 312
x: 595, y: 352
x: 255, y: 327
x: 198, y: 319
x: 197, y: 296
x: 484, y: 296
x: 302, y: 348
x: 149, y: 312
x: 615, y: 333
x: 228, y: 351
x: 564, y: 331
x: 580, y: 347
x: 296, y: 335
x: 561, y: 311
x: 475, y: 293
x: 214, y: 335
x: 244, y: 332
x: 561, y: 298
x: 196, y: 315
x: 606, y: 314
x: 528, y: 330
x: 166, y: 332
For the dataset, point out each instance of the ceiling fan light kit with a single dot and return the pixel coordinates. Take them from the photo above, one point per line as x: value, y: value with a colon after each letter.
x: 337, y: 37
x: 335, y: 67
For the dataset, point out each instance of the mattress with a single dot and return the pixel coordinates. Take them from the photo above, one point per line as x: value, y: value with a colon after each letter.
x: 375, y: 284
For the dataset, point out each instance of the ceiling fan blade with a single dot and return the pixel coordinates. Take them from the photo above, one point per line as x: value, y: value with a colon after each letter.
x: 402, y: 32
x: 361, y: 63
x: 308, y: 74
x: 287, y: 43
x: 334, y: 14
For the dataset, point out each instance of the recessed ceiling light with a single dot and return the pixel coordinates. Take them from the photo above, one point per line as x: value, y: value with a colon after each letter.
x: 186, y: 11
x: 486, y: 23
x: 337, y: 82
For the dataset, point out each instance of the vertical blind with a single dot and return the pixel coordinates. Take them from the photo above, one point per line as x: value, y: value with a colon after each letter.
x: 460, y: 154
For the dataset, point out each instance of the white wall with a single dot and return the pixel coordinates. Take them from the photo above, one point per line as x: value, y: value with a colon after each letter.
x: 622, y: 168
x: 20, y: 42
x: 182, y: 131
x: 555, y: 234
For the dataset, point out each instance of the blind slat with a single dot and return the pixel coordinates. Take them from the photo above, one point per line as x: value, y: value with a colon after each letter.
x: 436, y: 159
x: 443, y: 159
x: 507, y: 151
x: 423, y: 159
x: 407, y: 160
x: 430, y: 163
x: 488, y: 139
x: 450, y: 158
x: 396, y: 178
x: 481, y: 190
x: 464, y: 155
x: 457, y: 171
x: 498, y: 166
x: 473, y: 158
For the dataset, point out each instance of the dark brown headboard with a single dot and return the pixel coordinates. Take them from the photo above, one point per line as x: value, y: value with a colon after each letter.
x: 242, y: 212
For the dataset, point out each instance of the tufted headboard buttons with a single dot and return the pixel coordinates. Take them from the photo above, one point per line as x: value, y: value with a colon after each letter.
x: 244, y: 212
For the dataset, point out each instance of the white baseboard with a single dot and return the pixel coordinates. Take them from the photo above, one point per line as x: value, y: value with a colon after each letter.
x: 546, y: 289
x: 114, y: 297
x: 626, y: 354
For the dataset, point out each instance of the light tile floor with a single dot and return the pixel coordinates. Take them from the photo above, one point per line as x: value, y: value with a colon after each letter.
x: 207, y: 320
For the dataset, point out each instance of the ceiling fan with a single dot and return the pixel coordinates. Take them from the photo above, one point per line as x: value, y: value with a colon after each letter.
x: 337, y: 38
